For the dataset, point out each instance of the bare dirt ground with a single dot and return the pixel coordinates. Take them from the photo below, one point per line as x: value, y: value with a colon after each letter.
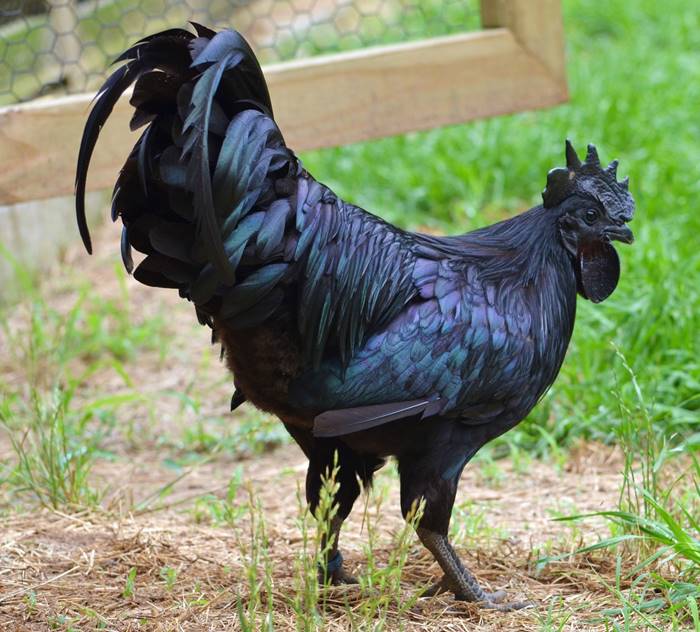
x: 77, y: 564
x: 69, y: 571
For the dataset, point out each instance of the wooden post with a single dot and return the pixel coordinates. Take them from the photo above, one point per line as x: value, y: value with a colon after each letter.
x: 536, y: 24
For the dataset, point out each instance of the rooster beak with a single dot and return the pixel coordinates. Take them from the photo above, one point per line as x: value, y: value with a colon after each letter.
x: 620, y: 233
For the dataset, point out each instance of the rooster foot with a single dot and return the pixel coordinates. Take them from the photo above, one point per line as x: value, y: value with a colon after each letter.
x: 334, y: 574
x: 493, y: 600
x: 341, y: 578
x: 457, y: 579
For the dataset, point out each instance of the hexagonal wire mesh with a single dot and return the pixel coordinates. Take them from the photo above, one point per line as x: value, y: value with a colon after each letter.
x: 64, y: 46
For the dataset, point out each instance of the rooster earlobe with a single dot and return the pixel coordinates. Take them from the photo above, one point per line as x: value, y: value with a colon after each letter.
x: 598, y: 269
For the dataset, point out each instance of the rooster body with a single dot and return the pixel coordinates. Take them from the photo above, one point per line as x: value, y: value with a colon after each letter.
x: 367, y: 341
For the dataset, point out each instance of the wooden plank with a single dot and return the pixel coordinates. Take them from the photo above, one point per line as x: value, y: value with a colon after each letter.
x: 536, y: 24
x: 390, y: 90
x: 319, y: 102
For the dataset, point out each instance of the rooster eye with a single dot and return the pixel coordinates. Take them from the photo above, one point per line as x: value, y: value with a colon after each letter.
x: 590, y: 216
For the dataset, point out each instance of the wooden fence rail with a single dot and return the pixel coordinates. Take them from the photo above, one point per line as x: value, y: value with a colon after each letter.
x: 516, y: 63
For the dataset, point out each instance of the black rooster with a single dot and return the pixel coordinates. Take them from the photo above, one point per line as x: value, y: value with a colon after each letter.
x: 366, y: 340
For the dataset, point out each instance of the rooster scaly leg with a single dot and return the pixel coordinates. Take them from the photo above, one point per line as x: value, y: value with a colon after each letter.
x: 432, y: 476
x: 457, y: 578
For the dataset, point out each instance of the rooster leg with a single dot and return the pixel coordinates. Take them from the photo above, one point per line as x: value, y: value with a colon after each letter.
x: 433, y: 477
x: 331, y: 570
x: 323, y: 460
x: 321, y: 464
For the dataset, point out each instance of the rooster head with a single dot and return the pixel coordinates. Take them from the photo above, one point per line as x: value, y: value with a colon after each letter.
x: 593, y: 209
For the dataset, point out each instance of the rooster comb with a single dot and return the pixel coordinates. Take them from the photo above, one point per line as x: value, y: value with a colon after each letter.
x: 589, y: 180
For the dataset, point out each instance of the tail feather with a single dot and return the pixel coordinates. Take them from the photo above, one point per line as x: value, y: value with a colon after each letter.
x: 174, y: 239
x: 223, y: 210
x: 143, y: 159
x: 196, y: 127
x: 225, y: 51
x: 161, y: 65
x: 110, y: 93
x: 248, y: 83
x: 139, y: 232
x: 158, y: 270
x: 165, y: 51
x: 203, y: 31
x: 125, y: 248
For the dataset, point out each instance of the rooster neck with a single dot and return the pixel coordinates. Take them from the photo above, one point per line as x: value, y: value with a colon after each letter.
x: 519, y: 247
x: 529, y: 259
x: 547, y: 278
x: 553, y: 292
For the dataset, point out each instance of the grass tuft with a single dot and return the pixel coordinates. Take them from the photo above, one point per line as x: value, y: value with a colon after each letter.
x: 54, y: 457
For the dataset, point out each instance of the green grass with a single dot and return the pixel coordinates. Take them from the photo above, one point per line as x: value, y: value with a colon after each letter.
x: 656, y: 522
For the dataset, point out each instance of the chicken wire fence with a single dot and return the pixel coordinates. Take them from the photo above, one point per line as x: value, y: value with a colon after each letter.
x: 64, y: 46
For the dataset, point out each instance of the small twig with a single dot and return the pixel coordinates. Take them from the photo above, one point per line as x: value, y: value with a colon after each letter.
x: 75, y: 518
